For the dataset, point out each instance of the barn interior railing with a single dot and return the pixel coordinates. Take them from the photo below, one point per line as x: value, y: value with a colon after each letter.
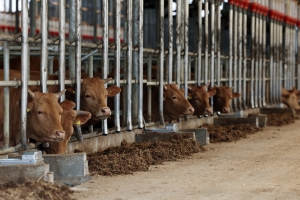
x: 251, y: 46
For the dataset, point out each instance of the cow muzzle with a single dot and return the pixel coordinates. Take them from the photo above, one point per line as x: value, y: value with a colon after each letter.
x: 58, y: 136
x: 190, y: 111
x: 104, y: 113
x: 226, y: 110
x: 208, y: 111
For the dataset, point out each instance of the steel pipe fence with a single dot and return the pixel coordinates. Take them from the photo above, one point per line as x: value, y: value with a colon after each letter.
x: 261, y: 54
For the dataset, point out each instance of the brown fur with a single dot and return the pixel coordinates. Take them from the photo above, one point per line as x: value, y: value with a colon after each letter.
x: 222, y: 98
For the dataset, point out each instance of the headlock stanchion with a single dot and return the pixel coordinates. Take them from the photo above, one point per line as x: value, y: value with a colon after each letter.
x: 250, y: 46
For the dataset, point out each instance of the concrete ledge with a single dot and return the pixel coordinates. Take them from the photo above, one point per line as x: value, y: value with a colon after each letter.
x: 236, y: 121
x: 163, y: 137
x: 277, y: 111
x: 262, y: 119
x: 22, y: 173
x: 202, y: 136
x: 67, y: 165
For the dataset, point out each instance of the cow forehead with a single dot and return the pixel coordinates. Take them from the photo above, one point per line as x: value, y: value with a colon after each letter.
x: 224, y: 92
x: 200, y: 91
x: 46, y: 99
x: 93, y: 85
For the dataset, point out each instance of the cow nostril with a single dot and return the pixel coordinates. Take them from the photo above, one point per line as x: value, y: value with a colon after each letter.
x: 191, y: 109
x: 103, y: 110
x: 59, y: 134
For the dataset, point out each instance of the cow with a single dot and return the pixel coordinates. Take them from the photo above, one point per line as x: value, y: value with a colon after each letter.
x: 290, y: 98
x: 43, y: 115
x: 222, y: 98
x: 69, y: 119
x: 175, y: 104
x: 92, y: 97
x: 199, y: 98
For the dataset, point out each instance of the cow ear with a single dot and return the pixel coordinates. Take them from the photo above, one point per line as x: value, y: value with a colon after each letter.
x: 212, y: 92
x: 71, y: 90
x: 208, y: 84
x: 113, y: 91
x: 285, y: 95
x: 236, y: 95
x: 81, y: 117
x: 67, y: 105
x: 165, y: 87
x: 107, y: 80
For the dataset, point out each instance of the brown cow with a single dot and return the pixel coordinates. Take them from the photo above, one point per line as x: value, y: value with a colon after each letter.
x: 290, y: 98
x: 175, y: 104
x: 92, y: 98
x: 199, y: 98
x: 69, y: 118
x: 43, y: 118
x: 222, y: 98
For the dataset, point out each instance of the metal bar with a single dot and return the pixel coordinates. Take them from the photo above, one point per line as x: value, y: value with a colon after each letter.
x: 89, y: 55
x: 105, y: 53
x: 263, y: 60
x: 235, y: 56
x: 244, y: 89
x: 256, y: 54
x: 178, y: 41
x: 44, y: 48
x: 206, y: 42
x: 72, y: 35
x: 17, y: 23
x: 6, y: 96
x: 199, y: 54
x: 78, y: 63
x: 149, y: 89
x: 117, y: 64
x: 186, y: 47
x: 170, y: 62
x: 259, y: 56
x: 298, y: 55
x: 230, y: 34
x: 240, y: 56
x: 62, y: 48
x: 32, y: 17
x: 25, y: 62
x: 218, y: 42
x: 141, y: 37
x: 161, y: 62
x: 212, y: 53
x: 272, y: 78
x: 253, y: 49
x: 95, y: 19
x: 279, y: 57
x: 129, y: 64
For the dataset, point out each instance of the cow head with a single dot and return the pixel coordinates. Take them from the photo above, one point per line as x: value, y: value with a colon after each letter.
x: 93, y: 97
x: 290, y: 98
x: 222, y: 98
x: 44, y: 117
x: 199, y: 98
x: 175, y: 104
x: 69, y: 119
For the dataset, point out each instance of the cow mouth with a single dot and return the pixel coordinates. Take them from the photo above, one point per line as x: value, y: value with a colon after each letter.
x: 55, y: 139
x: 103, y: 117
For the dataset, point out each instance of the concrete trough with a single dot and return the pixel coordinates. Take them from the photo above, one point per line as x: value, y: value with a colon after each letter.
x: 277, y: 111
x: 161, y: 136
x: 201, y: 134
x: 236, y: 121
x: 262, y: 119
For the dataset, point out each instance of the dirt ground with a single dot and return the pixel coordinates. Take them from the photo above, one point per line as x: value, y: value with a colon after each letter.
x: 253, y: 163
x: 264, y: 165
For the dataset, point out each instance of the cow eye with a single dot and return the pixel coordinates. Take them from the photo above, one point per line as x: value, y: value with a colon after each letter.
x: 196, y: 98
x: 87, y: 96
x: 174, y: 97
x: 40, y: 112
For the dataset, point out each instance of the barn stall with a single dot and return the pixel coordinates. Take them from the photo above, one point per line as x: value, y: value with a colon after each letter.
x: 251, y: 46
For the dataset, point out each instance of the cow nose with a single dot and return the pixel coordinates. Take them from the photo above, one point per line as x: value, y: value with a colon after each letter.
x: 60, y: 135
x: 208, y: 110
x: 226, y: 110
x: 191, y: 110
x: 105, y: 110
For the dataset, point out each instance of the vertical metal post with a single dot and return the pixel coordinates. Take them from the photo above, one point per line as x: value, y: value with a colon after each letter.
x: 117, y: 63
x: 279, y: 56
x: 161, y: 62
x: 256, y: 53
x: 170, y: 56
x: 263, y: 60
x: 178, y: 41
x: 259, y: 57
x: 230, y: 44
x: 25, y: 61
x: 95, y: 20
x: 129, y: 64
x: 212, y: 52
x: 235, y: 56
x: 141, y: 63
x: 244, y: 58
x: 206, y: 42
x: 17, y: 17
x: 62, y: 48
x: 186, y: 47
x: 298, y: 53
x: 72, y: 35
x: 149, y: 90
x: 44, y: 46
x: 240, y: 55
x: 218, y: 42
x: 6, y: 95
x: 105, y: 53
x: 272, y: 78
x: 253, y: 49
x: 199, y: 63
x: 32, y: 17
